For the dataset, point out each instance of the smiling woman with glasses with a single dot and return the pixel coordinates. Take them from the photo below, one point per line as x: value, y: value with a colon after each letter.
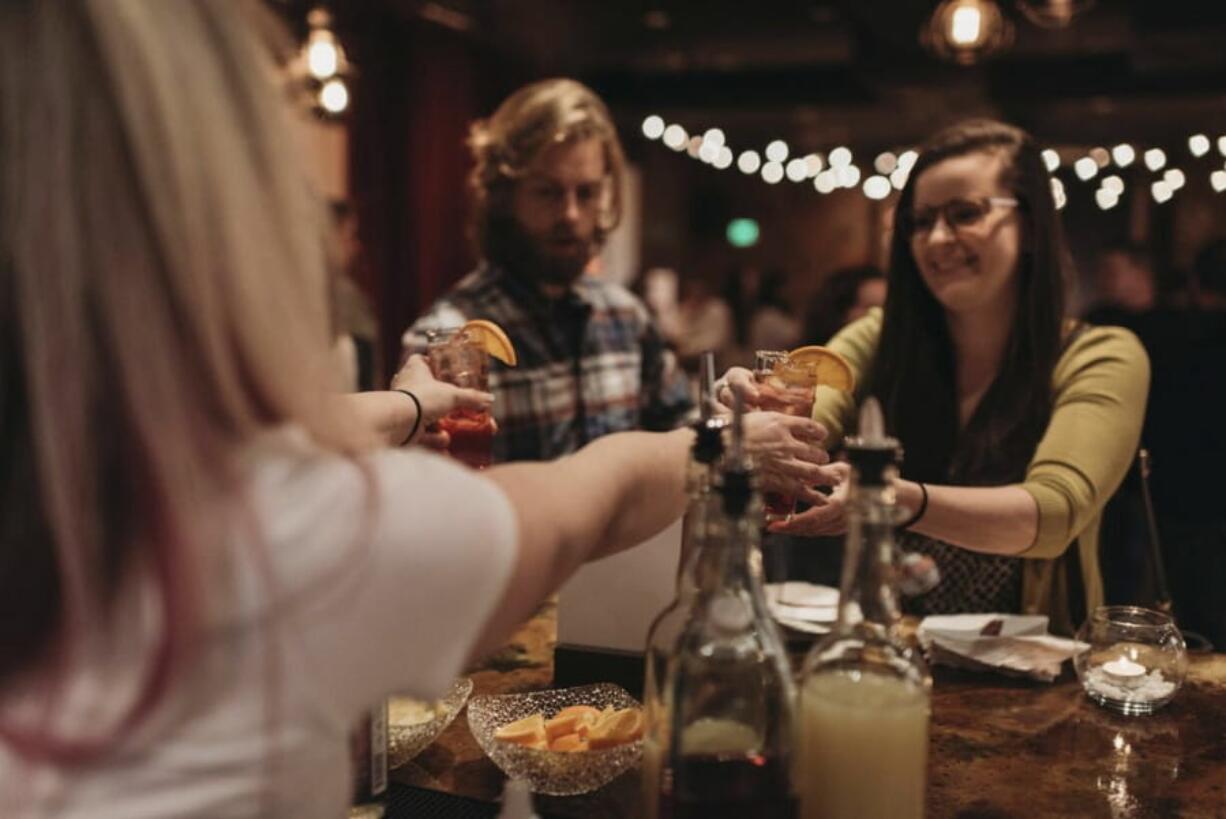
x: 1017, y: 423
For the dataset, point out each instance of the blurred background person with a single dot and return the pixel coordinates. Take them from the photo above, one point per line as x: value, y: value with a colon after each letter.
x: 353, y: 318
x: 844, y: 296
x: 1124, y: 285
x: 772, y: 322
x: 703, y: 322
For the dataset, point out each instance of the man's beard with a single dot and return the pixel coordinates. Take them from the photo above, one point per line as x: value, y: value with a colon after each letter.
x: 508, y: 245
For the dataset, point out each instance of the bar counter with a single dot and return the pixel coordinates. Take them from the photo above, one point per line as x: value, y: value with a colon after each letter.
x: 1000, y: 747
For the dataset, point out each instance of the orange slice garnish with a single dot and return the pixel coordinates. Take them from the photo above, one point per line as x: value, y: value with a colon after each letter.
x: 828, y: 367
x: 493, y: 339
x: 528, y: 731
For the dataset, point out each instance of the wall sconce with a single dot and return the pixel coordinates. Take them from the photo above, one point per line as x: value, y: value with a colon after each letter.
x: 966, y: 31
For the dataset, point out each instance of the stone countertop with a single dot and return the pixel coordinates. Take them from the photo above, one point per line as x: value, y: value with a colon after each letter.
x: 1000, y: 747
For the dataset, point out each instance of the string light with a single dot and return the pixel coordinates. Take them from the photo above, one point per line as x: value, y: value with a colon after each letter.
x: 1085, y: 168
x: 1106, y: 199
x: 848, y: 176
x: 777, y: 151
x: 796, y: 170
x: 1058, y: 193
x: 675, y: 137
x: 877, y: 187
x: 653, y: 127
x: 840, y: 157
x: 1123, y: 154
x: 890, y: 171
x: 772, y: 172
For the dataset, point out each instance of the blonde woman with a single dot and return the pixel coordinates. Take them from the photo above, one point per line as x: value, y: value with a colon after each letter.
x: 207, y: 568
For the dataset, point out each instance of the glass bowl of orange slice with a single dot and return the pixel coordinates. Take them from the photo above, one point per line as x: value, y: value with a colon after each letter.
x: 563, y: 741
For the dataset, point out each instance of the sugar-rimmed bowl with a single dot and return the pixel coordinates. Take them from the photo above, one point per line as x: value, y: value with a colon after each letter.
x: 408, y: 735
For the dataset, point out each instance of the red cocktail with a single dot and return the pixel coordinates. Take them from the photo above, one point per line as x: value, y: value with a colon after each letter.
x: 472, y: 436
x: 787, y: 387
x: 458, y: 357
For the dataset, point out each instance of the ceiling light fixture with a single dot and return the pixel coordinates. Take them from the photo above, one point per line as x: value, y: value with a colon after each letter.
x: 966, y: 31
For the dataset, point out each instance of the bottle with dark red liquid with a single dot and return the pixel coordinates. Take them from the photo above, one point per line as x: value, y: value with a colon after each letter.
x: 729, y: 696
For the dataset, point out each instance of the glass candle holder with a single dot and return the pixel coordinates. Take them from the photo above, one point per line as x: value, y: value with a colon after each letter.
x: 1134, y: 661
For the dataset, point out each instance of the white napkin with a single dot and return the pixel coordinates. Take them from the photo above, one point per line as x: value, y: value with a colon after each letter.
x: 803, y: 606
x: 1016, y: 644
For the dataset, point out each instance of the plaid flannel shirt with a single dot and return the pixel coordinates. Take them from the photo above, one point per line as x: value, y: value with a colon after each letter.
x: 590, y: 363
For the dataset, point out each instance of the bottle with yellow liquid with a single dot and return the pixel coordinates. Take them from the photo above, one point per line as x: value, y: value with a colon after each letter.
x: 864, y: 693
x: 728, y: 696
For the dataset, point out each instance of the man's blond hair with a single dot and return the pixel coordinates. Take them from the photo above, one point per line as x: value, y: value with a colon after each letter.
x: 534, y: 118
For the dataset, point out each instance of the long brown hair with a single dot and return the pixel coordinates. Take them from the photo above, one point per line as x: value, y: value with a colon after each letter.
x: 914, y: 373
x: 162, y: 301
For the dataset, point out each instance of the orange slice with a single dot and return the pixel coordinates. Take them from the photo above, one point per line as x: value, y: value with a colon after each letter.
x: 617, y: 728
x: 493, y: 339
x: 830, y: 368
x: 528, y: 731
x: 568, y: 742
x: 561, y: 725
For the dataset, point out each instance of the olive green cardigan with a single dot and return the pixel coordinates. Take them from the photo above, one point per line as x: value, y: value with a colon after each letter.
x: 1099, y: 387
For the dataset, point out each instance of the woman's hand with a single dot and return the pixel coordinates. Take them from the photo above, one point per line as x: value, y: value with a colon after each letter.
x: 437, y: 399
x: 787, y: 452
x: 737, y: 381
x: 828, y: 515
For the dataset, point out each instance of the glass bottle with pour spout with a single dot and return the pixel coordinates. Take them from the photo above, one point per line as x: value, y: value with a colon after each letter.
x: 728, y: 691
x: 665, y: 630
x: 864, y: 693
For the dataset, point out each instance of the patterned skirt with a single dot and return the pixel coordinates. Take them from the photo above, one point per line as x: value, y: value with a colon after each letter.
x: 970, y: 581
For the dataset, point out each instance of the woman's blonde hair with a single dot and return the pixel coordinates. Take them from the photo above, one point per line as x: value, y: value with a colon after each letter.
x: 162, y: 301
x: 535, y: 118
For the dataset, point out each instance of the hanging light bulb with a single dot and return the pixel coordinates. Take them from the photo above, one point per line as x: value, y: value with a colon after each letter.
x: 965, y: 31
x: 325, y: 58
x: 334, y: 96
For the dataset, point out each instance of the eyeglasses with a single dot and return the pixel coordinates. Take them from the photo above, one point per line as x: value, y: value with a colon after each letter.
x: 959, y: 214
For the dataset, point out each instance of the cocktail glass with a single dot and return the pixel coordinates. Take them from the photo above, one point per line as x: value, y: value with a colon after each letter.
x: 787, y: 387
x: 455, y: 357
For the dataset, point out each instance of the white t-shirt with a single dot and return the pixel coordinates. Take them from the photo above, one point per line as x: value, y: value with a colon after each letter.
x: 359, y: 584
